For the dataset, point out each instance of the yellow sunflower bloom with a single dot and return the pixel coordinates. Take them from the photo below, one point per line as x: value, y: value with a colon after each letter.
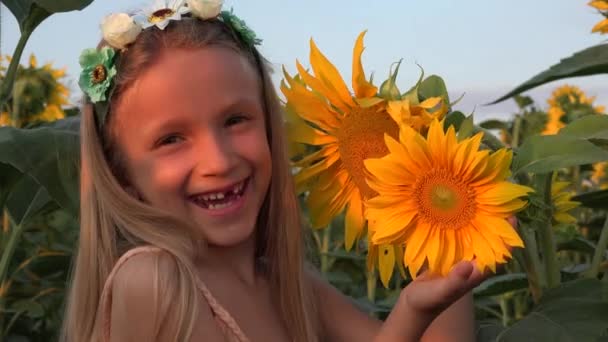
x: 601, y: 27
x: 444, y: 200
x: 562, y: 203
x: 5, y: 119
x: 554, y: 123
x: 419, y: 116
x: 600, y: 5
x: 568, y: 103
x: 599, y: 172
x: 345, y: 132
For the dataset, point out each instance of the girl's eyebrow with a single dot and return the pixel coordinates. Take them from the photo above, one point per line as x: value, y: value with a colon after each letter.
x: 153, y: 128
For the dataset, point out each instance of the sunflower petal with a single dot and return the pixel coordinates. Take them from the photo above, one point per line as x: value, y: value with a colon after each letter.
x: 361, y: 86
x: 310, y: 107
x: 354, y: 221
x: 499, y: 193
x: 393, y: 228
x: 386, y: 263
x: 329, y: 75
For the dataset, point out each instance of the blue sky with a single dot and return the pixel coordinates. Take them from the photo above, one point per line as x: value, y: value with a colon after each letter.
x: 480, y: 48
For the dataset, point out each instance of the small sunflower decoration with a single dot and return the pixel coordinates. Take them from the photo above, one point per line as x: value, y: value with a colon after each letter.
x: 445, y: 200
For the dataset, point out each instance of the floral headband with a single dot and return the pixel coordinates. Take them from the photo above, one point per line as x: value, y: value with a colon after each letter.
x: 121, y: 29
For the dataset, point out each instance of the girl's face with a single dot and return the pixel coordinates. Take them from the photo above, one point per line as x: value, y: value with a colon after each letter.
x: 192, y: 128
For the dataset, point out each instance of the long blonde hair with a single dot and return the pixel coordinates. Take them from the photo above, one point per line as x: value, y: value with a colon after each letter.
x: 112, y: 221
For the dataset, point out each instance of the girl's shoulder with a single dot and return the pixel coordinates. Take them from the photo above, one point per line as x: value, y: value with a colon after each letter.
x: 135, y: 302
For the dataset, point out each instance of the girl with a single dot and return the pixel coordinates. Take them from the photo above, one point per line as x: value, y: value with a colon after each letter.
x: 190, y: 230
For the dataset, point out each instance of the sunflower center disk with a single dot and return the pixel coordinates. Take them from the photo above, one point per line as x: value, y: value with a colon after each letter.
x: 160, y: 15
x: 361, y: 136
x: 444, y: 200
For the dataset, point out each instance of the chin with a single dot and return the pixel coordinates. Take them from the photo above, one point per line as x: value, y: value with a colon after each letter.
x: 231, y: 236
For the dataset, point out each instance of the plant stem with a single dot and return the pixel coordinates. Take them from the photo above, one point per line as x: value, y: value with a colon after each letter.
x: 5, y: 221
x: 11, y: 72
x: 504, y: 308
x: 600, y: 251
x: 532, y: 264
x: 547, y: 239
x: 516, y: 129
x: 325, y: 249
x: 371, y: 285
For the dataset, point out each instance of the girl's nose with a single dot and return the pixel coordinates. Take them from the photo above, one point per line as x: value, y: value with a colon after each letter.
x: 216, y: 156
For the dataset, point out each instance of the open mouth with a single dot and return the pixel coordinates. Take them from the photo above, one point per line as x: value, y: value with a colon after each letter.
x: 221, y: 199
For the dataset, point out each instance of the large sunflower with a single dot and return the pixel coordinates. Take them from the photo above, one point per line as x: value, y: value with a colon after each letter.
x: 345, y: 132
x: 444, y: 200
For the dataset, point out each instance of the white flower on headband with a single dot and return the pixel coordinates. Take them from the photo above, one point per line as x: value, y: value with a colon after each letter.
x: 205, y: 9
x: 162, y: 11
x: 119, y: 30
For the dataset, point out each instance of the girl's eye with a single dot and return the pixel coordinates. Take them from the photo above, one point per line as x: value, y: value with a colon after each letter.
x: 235, y: 119
x: 169, y: 139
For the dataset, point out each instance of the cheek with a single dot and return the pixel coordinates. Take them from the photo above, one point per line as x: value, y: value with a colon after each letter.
x: 161, y: 177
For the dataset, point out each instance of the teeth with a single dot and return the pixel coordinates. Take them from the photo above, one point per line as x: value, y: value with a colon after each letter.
x: 219, y: 206
x: 220, y: 195
x: 238, y: 188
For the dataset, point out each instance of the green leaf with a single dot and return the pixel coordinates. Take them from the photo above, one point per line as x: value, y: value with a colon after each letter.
x: 55, y: 6
x: 594, y: 200
x: 341, y: 254
x: 433, y: 86
x: 27, y: 200
x: 542, y: 154
x: 494, y: 124
x: 578, y: 244
x: 588, y: 127
x: 31, y: 308
x: 501, y: 284
x: 454, y: 119
x: 388, y: 89
x: 590, y: 61
x: 49, y: 155
x: 575, y: 311
x: 10, y: 176
x: 488, y: 332
x: 466, y: 128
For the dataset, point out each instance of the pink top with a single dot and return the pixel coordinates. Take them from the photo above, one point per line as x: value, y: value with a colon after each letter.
x: 224, y: 320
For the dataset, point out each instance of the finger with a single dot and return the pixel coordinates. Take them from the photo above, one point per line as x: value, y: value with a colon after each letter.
x: 513, y: 221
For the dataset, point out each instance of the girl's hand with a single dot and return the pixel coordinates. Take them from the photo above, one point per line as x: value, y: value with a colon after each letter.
x: 425, y: 298
x: 430, y: 294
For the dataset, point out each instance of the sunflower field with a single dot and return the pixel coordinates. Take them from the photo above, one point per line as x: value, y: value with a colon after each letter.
x: 393, y: 179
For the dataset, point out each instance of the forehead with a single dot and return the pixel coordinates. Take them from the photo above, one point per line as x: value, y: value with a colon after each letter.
x: 188, y: 81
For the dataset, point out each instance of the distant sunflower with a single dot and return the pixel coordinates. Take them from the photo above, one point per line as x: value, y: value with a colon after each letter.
x: 554, y: 123
x: 599, y: 172
x: 602, y: 7
x: 566, y: 104
x: 562, y: 203
x: 345, y: 133
x: 444, y: 200
x: 5, y: 119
